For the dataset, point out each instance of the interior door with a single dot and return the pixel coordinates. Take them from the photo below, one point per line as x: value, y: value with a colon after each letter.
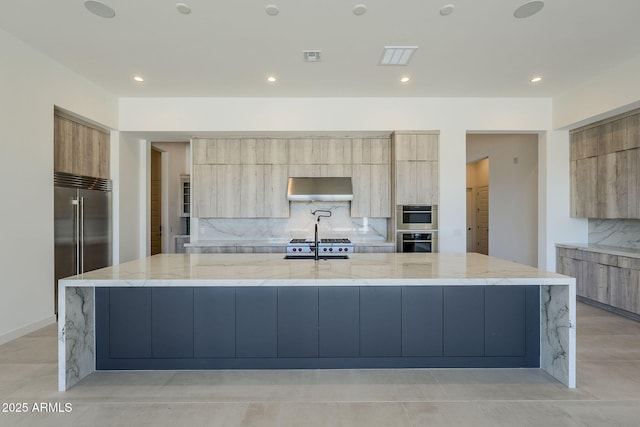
x: 156, y: 202
x: 471, y: 220
x: 482, y: 220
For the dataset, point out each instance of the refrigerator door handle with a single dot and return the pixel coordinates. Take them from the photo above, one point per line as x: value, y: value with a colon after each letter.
x: 75, y: 202
x: 81, y: 235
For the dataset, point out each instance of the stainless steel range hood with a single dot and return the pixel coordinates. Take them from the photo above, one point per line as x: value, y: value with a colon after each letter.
x: 323, y: 189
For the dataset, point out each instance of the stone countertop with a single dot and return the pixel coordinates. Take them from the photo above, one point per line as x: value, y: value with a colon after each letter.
x: 371, y: 269
x: 272, y: 242
x: 602, y: 249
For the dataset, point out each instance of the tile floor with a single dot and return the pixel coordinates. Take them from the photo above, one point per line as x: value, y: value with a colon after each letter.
x: 608, y: 392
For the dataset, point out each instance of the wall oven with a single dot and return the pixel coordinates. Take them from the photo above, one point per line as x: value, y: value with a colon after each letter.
x: 409, y: 241
x: 416, y: 217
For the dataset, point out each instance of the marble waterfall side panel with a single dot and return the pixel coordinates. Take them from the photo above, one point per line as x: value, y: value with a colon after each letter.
x: 76, y: 355
x: 558, y: 332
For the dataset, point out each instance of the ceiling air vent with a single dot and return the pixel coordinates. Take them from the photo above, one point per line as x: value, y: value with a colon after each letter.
x: 311, y: 55
x: 397, y: 55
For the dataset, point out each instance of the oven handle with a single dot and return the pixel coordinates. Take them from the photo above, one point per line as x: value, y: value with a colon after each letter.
x: 418, y: 212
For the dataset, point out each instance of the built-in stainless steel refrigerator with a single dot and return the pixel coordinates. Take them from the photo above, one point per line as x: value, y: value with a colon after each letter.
x: 82, y: 225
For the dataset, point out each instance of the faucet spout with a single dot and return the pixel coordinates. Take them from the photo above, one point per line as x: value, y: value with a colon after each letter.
x: 323, y: 214
x: 316, y: 243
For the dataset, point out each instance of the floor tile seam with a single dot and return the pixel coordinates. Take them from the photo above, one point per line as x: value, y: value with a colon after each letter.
x: 406, y: 414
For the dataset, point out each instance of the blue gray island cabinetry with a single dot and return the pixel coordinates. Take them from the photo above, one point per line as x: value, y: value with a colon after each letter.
x: 259, y: 311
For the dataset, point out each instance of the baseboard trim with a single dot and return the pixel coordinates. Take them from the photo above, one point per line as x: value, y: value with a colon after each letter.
x: 17, y: 333
x: 609, y: 308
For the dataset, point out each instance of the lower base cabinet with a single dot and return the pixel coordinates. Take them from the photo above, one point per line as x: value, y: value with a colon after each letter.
x: 380, y: 321
x: 422, y: 321
x: 214, y: 323
x: 256, y: 322
x: 611, y: 281
x: 339, y: 321
x: 317, y: 327
x: 297, y: 322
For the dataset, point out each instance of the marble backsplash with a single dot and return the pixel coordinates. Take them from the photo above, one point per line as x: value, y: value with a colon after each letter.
x: 300, y: 224
x: 623, y: 233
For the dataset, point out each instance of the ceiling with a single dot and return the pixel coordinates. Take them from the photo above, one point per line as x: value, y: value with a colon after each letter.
x: 227, y: 48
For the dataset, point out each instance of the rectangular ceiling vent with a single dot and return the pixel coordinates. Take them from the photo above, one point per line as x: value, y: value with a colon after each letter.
x: 397, y: 55
x: 311, y: 55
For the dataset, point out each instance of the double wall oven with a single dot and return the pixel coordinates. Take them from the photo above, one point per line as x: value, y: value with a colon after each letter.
x: 416, y: 228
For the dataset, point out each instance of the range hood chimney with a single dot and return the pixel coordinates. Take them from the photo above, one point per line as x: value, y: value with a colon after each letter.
x: 323, y: 189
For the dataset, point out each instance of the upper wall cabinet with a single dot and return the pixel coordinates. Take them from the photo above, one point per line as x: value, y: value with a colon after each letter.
x: 80, y: 149
x: 240, y: 178
x: 416, y: 168
x: 247, y: 177
x: 605, y: 159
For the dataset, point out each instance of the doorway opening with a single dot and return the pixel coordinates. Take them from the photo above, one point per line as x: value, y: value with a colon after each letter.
x: 502, y: 195
x: 156, y: 202
x: 478, y: 206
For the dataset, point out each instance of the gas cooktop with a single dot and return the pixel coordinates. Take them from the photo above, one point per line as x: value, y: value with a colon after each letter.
x: 327, y: 248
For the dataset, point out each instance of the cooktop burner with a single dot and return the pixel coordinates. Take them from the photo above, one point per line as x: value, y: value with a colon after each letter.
x: 332, y: 248
x: 321, y: 241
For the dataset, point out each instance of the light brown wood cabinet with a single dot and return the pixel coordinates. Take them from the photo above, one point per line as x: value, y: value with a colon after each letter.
x: 612, y: 280
x: 247, y: 177
x: 80, y: 149
x: 232, y: 179
x: 416, y: 168
x: 604, y: 169
x: 371, y: 191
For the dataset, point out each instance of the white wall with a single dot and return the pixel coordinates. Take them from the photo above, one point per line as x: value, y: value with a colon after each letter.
x: 555, y: 225
x: 614, y: 91
x: 513, y: 193
x: 127, y: 190
x: 30, y: 85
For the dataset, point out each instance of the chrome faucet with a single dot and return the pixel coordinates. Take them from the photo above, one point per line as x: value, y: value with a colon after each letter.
x: 320, y: 215
x: 315, y: 239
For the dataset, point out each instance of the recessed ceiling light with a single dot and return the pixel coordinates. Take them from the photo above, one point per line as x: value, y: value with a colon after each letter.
x: 272, y: 10
x: 272, y: 79
x: 405, y: 79
x: 100, y: 9
x: 536, y: 79
x: 183, y: 8
x: 359, y: 9
x: 138, y: 78
x: 528, y: 9
x: 397, y: 55
x: 447, y: 9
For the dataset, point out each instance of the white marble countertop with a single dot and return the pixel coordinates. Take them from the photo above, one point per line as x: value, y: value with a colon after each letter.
x: 602, y: 249
x: 273, y: 242
x: 359, y: 270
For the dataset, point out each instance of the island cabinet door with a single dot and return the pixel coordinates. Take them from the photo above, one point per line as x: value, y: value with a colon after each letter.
x: 256, y: 322
x: 421, y: 321
x: 214, y: 322
x: 505, y: 320
x: 339, y: 321
x: 380, y: 321
x: 463, y: 321
x: 298, y: 322
x: 129, y: 323
x: 172, y: 322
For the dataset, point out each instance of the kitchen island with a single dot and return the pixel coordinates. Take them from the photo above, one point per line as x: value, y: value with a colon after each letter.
x: 260, y: 311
